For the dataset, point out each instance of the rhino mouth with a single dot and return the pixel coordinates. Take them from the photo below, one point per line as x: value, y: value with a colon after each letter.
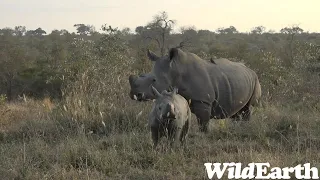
x: 140, y: 96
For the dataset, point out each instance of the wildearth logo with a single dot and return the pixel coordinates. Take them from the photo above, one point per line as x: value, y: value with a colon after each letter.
x: 260, y: 171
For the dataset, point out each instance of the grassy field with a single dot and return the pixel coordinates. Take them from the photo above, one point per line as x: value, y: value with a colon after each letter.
x: 39, y: 140
x: 95, y: 131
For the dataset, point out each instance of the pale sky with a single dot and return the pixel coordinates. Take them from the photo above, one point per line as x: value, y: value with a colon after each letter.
x: 203, y: 14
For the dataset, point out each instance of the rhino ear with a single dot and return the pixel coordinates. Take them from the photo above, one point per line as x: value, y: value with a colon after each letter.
x: 156, y: 92
x: 165, y: 92
x: 175, y: 90
x: 212, y: 61
x: 173, y: 53
x: 152, y: 56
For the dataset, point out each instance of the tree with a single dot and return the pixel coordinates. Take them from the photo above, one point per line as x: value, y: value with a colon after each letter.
x: 158, y: 30
x: 110, y: 43
x: 6, y: 32
x: 38, y: 32
x: 289, y: 49
x: 60, y: 32
x: 12, y: 56
x: 139, y: 30
x: 291, y: 30
x: 271, y: 31
x: 204, y: 32
x: 83, y: 29
x: 189, y: 35
x: 258, y: 30
x: 20, y: 30
x: 189, y: 31
x: 229, y: 30
x: 125, y: 31
x: 57, y: 50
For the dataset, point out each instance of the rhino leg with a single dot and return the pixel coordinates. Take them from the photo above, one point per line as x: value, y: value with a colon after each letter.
x: 155, y: 136
x: 203, y: 112
x: 175, y: 137
x: 243, y: 115
x: 174, y: 133
x: 185, y: 130
x: 157, y: 132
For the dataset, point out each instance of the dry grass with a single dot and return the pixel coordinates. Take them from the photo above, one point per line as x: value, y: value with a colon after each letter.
x: 28, y: 109
x: 97, y: 132
x: 47, y: 147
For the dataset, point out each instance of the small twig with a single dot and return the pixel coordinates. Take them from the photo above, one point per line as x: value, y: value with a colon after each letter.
x: 184, y: 43
x: 157, y: 40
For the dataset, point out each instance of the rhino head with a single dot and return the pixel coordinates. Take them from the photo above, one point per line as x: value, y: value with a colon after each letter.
x: 160, y: 78
x: 141, y: 87
x: 164, y: 107
x: 165, y: 72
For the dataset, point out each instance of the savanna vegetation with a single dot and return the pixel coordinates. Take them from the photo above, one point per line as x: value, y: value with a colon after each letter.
x: 65, y: 112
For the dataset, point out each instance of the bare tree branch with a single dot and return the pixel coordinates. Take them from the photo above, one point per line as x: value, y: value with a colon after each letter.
x: 185, y: 43
x: 160, y: 28
x: 157, y: 40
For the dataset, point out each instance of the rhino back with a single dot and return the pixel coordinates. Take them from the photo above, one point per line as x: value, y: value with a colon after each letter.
x: 224, y: 61
x: 235, y: 87
x: 230, y: 84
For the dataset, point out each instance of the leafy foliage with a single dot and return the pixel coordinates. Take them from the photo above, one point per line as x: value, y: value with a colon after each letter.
x: 83, y: 123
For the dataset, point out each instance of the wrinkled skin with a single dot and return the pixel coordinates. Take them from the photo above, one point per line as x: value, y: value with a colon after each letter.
x: 218, y: 89
x: 170, y: 113
x: 141, y: 85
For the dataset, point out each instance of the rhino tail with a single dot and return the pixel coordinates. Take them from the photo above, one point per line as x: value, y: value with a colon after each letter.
x: 255, y: 99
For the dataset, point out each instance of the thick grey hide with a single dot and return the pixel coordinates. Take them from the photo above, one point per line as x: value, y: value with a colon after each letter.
x: 218, y: 89
x: 170, y: 116
x: 141, y: 87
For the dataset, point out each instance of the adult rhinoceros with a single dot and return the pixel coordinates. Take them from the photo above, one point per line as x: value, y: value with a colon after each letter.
x: 219, y: 90
x: 141, y: 85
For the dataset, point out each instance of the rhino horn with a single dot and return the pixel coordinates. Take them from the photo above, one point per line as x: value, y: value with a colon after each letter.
x: 156, y: 92
x: 170, y: 110
x: 152, y: 56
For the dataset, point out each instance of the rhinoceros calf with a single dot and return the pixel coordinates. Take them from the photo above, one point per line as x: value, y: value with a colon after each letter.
x: 170, y: 116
